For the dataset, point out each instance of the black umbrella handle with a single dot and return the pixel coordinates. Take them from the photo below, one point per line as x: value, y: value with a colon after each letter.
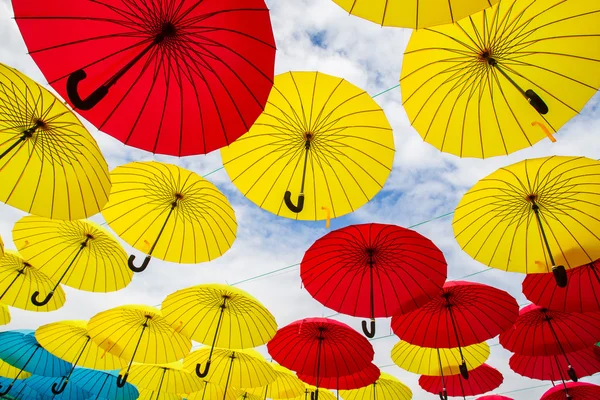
x: 72, y: 91
x: 7, y: 389
x: 202, y: 374
x: 464, y: 371
x: 370, y: 333
x: 122, y: 379
x: 443, y: 394
x: 314, y: 395
x: 292, y: 207
x: 142, y: 267
x: 61, y: 389
x: 34, y: 298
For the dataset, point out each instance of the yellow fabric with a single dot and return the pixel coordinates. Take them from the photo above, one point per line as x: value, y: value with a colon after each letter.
x: 150, y: 395
x: 426, y: 361
x: 201, y: 228
x: 324, y: 394
x: 28, y: 280
x: 52, y: 245
x: 118, y: 330
x: 244, y: 394
x: 4, y: 315
x: 210, y: 391
x: 286, y: 386
x: 1, y: 247
x: 496, y: 225
x: 413, y: 14
x: 10, y: 372
x: 58, y: 172
x: 169, y: 378
x: 386, y: 388
x: 195, y: 312
x: 70, y: 340
x: 462, y: 105
x: 249, y: 369
x: 351, y: 150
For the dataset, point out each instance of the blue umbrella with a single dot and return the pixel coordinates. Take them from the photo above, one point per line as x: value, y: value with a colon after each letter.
x: 103, y: 384
x: 21, y: 350
x: 43, y: 385
x: 20, y: 390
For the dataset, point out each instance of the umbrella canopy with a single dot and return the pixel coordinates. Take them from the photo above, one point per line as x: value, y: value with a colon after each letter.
x: 586, y: 362
x: 502, y: 79
x: 386, y: 387
x: 50, y: 165
x: 322, y: 148
x: 10, y: 372
x: 20, y: 390
x: 102, y: 385
x: 138, y: 333
x: 19, y: 280
x: 481, y: 380
x: 177, y: 79
x: 373, y: 270
x: 46, y: 385
x: 164, y: 378
x: 581, y: 294
x: 4, y: 315
x: 286, y: 386
x: 575, y: 391
x: 357, y: 380
x: 243, y: 394
x: 150, y: 395
x: 210, y: 391
x: 152, y: 200
x: 1, y: 247
x: 535, y: 216
x: 219, y: 315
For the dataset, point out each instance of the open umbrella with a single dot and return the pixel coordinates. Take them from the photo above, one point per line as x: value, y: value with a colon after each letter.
x: 320, y: 140
x: 219, y: 316
x: 10, y: 372
x: 45, y: 385
x: 211, y: 391
x: 178, y: 78
x: 481, y: 380
x: 386, y: 387
x: 463, y: 314
x: 373, y: 270
x: 20, y: 390
x: 535, y: 216
x: 50, y: 165
x: 357, y: 380
x: 80, y: 254
x: 4, y: 315
x: 573, y: 391
x: 286, y: 386
x: 102, y: 385
x: 138, y: 333
x: 164, y: 378
x: 150, y: 395
x: 169, y: 213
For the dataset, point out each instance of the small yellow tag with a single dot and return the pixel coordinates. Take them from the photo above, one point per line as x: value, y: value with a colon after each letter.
x: 327, y: 216
x: 545, y: 129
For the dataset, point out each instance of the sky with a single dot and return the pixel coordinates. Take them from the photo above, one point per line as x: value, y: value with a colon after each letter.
x: 317, y: 35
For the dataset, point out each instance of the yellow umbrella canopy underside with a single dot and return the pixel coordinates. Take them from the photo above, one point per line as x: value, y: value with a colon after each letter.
x: 286, y: 386
x: 350, y: 148
x: 166, y: 378
x: 1, y: 247
x: 495, y: 221
x: 50, y: 165
x: 211, y: 391
x: 4, y: 315
x: 465, y: 86
x: 415, y: 14
x: 386, y: 387
x: 150, y: 395
x: 196, y: 220
x: 10, y: 372
x: 324, y: 394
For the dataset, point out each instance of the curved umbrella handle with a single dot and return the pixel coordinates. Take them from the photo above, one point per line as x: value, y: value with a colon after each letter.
x: 365, y: 329
x: 572, y: 374
x: 88, y: 103
x: 62, y: 387
x: 122, y: 379
x: 203, y: 373
x: 7, y: 390
x: 35, y: 301
x: 560, y: 275
x: 443, y: 395
x: 288, y: 202
x: 463, y: 369
x: 140, y: 268
x: 314, y: 395
x: 536, y: 102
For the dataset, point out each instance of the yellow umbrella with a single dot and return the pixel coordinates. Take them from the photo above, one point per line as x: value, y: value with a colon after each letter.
x: 4, y: 315
x: 10, y: 372
x: 50, y: 165
x: 1, y: 247
x: 80, y: 254
x: 415, y: 14
x: 152, y: 199
x: 150, y: 395
x: 503, y: 79
x: 309, y: 393
x: 219, y: 315
x: 19, y: 280
x: 210, y: 391
x: 386, y: 388
x: 164, y: 378
x: 321, y: 138
x: 535, y: 216
x: 244, y: 394
x: 138, y: 333
x: 286, y: 386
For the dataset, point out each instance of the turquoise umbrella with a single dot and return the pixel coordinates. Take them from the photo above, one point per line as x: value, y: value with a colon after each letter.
x: 103, y: 385
x: 43, y: 385
x: 20, y: 390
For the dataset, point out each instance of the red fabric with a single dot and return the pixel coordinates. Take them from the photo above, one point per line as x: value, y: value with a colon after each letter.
x: 494, y: 397
x: 481, y: 380
x: 343, y: 350
x: 577, y: 391
x: 358, y: 380
x: 408, y: 270
x: 585, y: 362
x: 480, y: 313
x: 582, y: 293
x: 191, y: 94
x: 531, y: 334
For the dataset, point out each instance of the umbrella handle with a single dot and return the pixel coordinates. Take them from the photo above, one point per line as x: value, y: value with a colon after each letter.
x: 536, y: 102
x: 443, y: 395
x: 370, y: 333
x: 62, y: 387
x: 572, y: 374
x: 288, y: 202
x: 142, y: 267
x: 314, y: 395
x: 7, y: 390
x: 560, y: 275
x: 463, y: 369
x: 203, y: 373
x: 35, y: 301
x: 122, y: 379
x: 89, y: 102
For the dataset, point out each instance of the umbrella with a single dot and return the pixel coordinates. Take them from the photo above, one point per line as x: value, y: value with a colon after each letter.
x: 210, y: 391
x: 542, y: 332
x: 22, y: 351
x: 8, y: 371
x: 50, y: 165
x: 386, y: 387
x: 150, y: 395
x: 138, y: 333
x: 1, y: 247
x: 219, y: 315
x: 322, y: 348
x: 179, y: 78
x: 164, y: 378
x: 245, y: 395
x: 464, y: 313
x: 286, y: 386
x: 152, y: 200
x: 321, y: 138
x: 573, y: 391
x: 481, y: 380
x: 80, y: 254
x: 503, y: 79
x: 581, y: 294
x: 373, y: 270
x: 20, y: 390
x: 70, y: 341
x: 357, y: 380
x: 309, y: 393
x: 46, y: 385
x: 102, y: 385
x: 4, y: 315
x: 535, y: 216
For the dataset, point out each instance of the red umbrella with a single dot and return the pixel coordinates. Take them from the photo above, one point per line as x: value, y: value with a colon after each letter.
x: 358, y: 380
x: 464, y: 313
x: 542, y: 332
x: 481, y: 380
x: 494, y: 397
x: 321, y: 347
x: 373, y: 270
x: 582, y: 293
x: 573, y: 391
x: 178, y: 77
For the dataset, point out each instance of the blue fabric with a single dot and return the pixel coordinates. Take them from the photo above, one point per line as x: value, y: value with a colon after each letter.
x: 21, y: 391
x: 17, y: 347
x: 103, y: 384
x: 43, y: 385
